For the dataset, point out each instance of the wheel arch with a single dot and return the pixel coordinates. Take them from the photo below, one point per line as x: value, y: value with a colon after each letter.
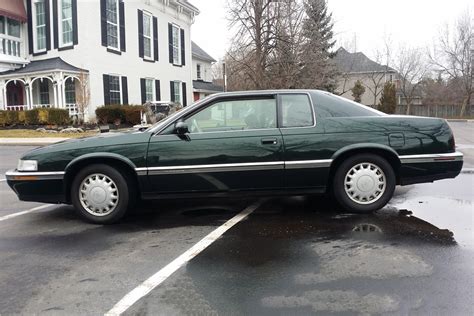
x: 383, y: 151
x: 121, y: 163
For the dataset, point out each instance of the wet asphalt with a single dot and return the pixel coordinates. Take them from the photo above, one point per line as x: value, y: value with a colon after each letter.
x: 292, y: 255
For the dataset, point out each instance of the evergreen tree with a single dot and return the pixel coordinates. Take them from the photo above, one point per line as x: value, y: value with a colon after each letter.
x: 388, y: 101
x: 318, y: 71
x: 357, y: 91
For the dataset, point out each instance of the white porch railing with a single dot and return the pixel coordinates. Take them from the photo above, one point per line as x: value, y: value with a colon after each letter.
x: 10, y: 46
x: 71, y: 107
x: 17, y: 107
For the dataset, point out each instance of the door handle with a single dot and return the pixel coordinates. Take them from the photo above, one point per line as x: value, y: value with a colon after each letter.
x: 269, y: 141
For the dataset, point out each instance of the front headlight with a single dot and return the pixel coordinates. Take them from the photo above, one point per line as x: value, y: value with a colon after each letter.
x: 27, y: 165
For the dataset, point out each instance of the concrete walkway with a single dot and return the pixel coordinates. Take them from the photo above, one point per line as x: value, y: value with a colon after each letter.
x: 31, y: 141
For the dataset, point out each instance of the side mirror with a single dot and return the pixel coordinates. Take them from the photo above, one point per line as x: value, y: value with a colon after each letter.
x: 181, y: 128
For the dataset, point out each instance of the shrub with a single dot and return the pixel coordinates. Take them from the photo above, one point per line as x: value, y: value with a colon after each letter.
x: 31, y: 117
x: 58, y: 116
x: 116, y: 114
x: 34, y: 117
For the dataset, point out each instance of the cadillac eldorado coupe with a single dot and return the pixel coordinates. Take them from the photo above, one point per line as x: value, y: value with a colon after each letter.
x: 289, y: 142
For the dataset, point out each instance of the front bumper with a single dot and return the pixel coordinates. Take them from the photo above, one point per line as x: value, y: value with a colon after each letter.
x: 430, y: 167
x: 46, y: 187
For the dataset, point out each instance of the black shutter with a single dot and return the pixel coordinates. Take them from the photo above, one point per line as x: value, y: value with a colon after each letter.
x: 185, y: 98
x: 47, y: 17
x: 124, y: 90
x: 155, y: 38
x: 30, y: 26
x: 170, y: 42
x: 75, y: 37
x: 106, y: 83
x: 141, y: 52
x: 143, y: 90
x: 157, y: 90
x: 183, y: 52
x: 172, y: 91
x: 122, y: 25
x: 55, y: 24
x: 103, y: 22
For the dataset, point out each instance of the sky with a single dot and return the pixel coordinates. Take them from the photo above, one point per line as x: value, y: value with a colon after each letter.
x: 406, y: 22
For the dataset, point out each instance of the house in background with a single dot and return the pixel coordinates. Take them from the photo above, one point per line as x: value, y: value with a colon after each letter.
x: 357, y: 66
x: 122, y: 52
x: 202, y: 74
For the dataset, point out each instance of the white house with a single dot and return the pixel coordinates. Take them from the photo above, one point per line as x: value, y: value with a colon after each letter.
x: 119, y: 51
x: 202, y: 73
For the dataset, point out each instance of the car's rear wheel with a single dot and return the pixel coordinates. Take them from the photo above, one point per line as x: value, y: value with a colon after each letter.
x: 101, y: 194
x: 364, y: 183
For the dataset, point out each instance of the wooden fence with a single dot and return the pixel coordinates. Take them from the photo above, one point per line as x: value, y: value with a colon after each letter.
x: 446, y: 111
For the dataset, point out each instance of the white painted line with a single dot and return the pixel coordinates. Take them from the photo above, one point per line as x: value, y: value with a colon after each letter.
x: 10, y: 216
x: 160, y: 276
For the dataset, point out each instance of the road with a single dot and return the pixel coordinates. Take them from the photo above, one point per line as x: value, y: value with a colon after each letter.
x: 290, y: 256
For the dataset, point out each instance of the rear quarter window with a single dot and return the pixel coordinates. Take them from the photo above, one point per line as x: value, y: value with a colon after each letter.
x: 329, y: 105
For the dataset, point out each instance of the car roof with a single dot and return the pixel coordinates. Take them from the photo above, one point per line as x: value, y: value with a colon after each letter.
x: 263, y: 92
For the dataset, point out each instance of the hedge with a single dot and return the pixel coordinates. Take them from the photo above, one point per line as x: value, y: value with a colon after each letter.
x: 40, y: 116
x: 119, y: 114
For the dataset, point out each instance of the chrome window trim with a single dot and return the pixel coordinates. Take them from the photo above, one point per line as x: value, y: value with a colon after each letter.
x: 426, y: 158
x: 48, y: 175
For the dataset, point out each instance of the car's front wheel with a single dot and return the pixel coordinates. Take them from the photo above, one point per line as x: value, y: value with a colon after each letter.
x: 100, y: 194
x: 364, y: 183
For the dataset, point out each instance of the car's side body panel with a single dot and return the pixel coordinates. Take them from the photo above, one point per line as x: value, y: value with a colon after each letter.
x: 301, y: 160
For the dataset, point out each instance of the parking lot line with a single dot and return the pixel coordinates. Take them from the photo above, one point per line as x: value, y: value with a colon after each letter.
x: 4, y: 218
x: 152, y: 282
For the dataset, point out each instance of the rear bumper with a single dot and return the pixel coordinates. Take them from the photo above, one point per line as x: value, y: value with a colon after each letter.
x: 46, y: 187
x: 429, y: 168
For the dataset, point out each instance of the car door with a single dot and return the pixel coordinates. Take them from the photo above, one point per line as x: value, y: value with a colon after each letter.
x: 233, y: 144
x: 305, y: 146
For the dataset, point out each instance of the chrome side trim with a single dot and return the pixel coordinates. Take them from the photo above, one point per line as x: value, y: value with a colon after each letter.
x: 450, y: 157
x: 250, y: 166
x: 217, y: 168
x: 50, y: 175
x: 306, y: 164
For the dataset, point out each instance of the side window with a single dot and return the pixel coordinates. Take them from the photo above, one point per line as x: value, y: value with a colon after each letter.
x: 234, y: 115
x: 296, y: 110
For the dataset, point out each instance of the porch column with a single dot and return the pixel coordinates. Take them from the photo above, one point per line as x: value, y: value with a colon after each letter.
x: 4, y: 94
x: 29, y: 93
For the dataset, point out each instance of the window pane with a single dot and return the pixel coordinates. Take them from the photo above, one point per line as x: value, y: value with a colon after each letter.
x: 114, y: 88
x: 149, y: 89
x: 13, y: 28
x: 296, y: 110
x: 44, y: 91
x: 2, y: 25
x: 112, y: 11
x: 146, y: 25
x: 67, y: 31
x: 328, y: 105
x: 176, y: 45
x: 112, y: 38
x: 66, y: 9
x: 147, y: 47
x: 70, y: 90
x: 41, y: 37
x: 40, y: 13
x: 235, y: 115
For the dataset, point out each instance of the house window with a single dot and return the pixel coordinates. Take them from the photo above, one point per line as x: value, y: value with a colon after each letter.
x: 70, y: 91
x: 66, y: 22
x: 112, y: 24
x: 147, y: 35
x: 149, y: 90
x: 198, y: 70
x: 2, y: 25
x: 13, y: 27
x: 40, y: 26
x: 114, y: 86
x: 44, y: 91
x: 176, y: 45
x: 177, y: 91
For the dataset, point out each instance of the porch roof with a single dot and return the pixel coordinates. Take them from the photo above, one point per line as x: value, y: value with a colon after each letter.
x: 51, y: 64
x: 13, y: 9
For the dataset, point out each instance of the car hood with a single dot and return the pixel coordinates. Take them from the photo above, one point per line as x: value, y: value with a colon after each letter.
x: 100, y: 141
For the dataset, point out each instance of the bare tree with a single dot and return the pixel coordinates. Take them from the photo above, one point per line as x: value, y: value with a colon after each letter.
x: 454, y: 55
x: 377, y: 79
x: 411, y: 68
x: 82, y: 95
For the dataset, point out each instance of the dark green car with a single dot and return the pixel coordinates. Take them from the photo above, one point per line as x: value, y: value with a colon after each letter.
x: 247, y: 143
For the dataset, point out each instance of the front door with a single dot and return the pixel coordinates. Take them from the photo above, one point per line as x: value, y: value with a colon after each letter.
x: 232, y: 145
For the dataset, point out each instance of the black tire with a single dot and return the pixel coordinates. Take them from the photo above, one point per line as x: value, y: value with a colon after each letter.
x: 123, y: 200
x: 348, y: 203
